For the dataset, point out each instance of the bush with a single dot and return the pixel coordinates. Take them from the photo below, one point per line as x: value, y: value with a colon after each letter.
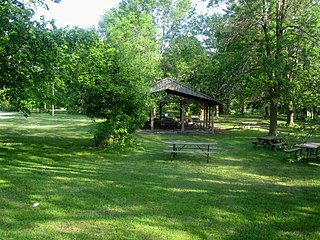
x: 7, y: 107
x: 113, y: 133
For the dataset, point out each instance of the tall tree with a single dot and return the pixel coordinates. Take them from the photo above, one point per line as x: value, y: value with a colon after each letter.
x: 21, y: 52
x: 183, y: 59
x: 172, y: 18
x: 265, y: 35
x: 120, y: 96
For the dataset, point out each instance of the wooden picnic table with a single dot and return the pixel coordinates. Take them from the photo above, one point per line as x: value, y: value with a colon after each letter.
x: 311, y: 149
x: 190, y: 147
x: 269, y: 141
x: 248, y: 125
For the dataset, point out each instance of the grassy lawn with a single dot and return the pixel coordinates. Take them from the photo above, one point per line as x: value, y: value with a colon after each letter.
x: 138, y: 193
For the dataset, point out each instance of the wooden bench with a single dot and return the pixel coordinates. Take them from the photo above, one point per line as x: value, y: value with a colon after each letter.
x: 292, y: 150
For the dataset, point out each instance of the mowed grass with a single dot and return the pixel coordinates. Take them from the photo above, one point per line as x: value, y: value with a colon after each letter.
x: 138, y: 193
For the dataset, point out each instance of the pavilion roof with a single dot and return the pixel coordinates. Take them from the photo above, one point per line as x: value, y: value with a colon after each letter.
x: 173, y: 87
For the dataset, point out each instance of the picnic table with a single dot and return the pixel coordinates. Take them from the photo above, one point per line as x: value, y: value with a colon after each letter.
x: 190, y: 147
x: 248, y: 125
x: 311, y: 149
x: 269, y: 141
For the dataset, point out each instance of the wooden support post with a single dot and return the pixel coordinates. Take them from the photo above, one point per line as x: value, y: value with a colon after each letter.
x: 160, y: 111
x: 207, y: 116
x: 201, y: 117
x: 212, y: 120
x: 182, y: 107
x: 152, y: 118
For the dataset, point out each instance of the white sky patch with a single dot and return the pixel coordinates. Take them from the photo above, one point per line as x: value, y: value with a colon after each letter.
x: 201, y: 7
x: 88, y: 13
x: 81, y: 13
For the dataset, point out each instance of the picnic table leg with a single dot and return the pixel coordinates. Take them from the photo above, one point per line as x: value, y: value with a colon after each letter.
x: 301, y: 155
x: 308, y: 155
x: 300, y: 151
x: 305, y: 156
x: 174, y: 153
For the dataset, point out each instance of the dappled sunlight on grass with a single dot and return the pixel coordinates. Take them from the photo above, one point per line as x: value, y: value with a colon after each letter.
x: 139, y: 193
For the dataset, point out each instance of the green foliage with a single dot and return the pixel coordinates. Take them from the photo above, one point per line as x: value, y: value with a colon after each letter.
x: 183, y: 59
x: 133, y: 35
x: 120, y: 95
x: 6, y: 106
x: 259, y: 53
x: 16, y: 32
x: 113, y: 133
x: 265, y: 52
x: 29, y: 56
x: 16, y: 28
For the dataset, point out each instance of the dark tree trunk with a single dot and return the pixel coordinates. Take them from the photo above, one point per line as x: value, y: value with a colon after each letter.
x: 273, y: 118
x: 266, y: 111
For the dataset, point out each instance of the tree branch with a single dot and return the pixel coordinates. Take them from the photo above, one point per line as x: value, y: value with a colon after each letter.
x: 303, y: 31
x: 13, y: 52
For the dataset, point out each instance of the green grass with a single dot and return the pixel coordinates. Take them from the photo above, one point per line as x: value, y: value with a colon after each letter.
x: 138, y: 193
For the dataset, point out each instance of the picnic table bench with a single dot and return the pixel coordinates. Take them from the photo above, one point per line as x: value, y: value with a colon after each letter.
x: 294, y: 150
x: 306, y: 150
x: 191, y: 147
x: 274, y: 142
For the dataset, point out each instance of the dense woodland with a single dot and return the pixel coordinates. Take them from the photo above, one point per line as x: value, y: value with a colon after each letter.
x: 260, y: 56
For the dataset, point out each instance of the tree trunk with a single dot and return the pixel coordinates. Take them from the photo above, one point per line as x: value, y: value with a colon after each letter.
x: 273, y: 118
x: 213, y: 108
x: 244, y: 109
x: 310, y: 113
x: 152, y: 118
x: 266, y: 113
x: 182, y: 115
x: 52, y: 106
x: 290, y: 120
x: 217, y: 112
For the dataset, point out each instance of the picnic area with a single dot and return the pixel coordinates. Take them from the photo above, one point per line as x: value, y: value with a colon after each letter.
x: 55, y: 185
x: 164, y: 120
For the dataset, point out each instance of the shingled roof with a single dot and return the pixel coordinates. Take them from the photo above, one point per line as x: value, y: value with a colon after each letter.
x: 173, y: 87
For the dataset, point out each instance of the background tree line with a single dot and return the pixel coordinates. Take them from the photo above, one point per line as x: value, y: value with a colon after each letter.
x: 258, y: 54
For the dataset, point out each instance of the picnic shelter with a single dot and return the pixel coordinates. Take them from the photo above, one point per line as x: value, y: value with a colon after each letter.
x: 182, y: 95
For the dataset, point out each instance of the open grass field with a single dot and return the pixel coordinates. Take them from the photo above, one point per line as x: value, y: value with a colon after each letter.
x: 138, y: 193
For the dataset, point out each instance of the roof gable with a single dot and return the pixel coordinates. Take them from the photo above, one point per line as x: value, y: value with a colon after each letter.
x: 176, y: 88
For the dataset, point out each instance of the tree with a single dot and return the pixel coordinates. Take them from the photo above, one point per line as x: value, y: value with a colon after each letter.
x: 119, y: 71
x: 268, y: 37
x: 21, y: 53
x: 172, y: 18
x: 15, y: 32
x: 183, y: 59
